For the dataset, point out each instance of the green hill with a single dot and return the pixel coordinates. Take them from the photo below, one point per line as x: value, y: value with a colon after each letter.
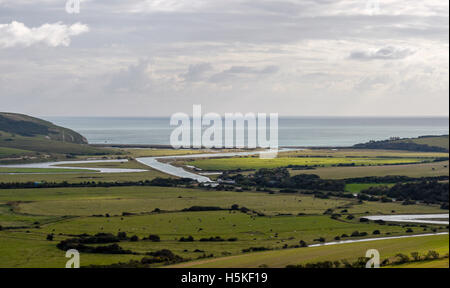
x: 22, y: 135
x: 422, y: 144
x: 31, y: 127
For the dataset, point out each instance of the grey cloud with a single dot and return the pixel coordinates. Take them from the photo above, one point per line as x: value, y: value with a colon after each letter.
x: 133, y: 79
x: 319, y: 45
x: 386, y: 53
x: 243, y: 71
x: 197, y: 72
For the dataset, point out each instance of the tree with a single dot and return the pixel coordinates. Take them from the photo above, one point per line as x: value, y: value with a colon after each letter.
x: 50, y: 237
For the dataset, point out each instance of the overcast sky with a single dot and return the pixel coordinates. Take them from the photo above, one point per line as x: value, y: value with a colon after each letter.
x: 159, y: 57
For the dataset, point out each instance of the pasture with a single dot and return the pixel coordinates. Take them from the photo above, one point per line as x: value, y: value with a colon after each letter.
x: 411, y: 170
x: 42, y: 170
x: 281, y: 258
x: 254, y: 163
x: 116, y: 200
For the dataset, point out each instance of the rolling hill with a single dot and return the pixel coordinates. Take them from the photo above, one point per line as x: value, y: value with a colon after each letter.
x: 422, y: 144
x: 22, y: 135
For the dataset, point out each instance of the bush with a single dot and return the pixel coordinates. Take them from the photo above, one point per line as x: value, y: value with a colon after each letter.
x: 122, y: 235
x: 402, y: 258
x: 50, y: 237
x: 415, y: 256
x: 255, y: 249
x: 187, y: 239
x: 376, y: 232
x: 154, y: 238
x: 134, y: 238
x: 432, y: 255
x: 212, y: 239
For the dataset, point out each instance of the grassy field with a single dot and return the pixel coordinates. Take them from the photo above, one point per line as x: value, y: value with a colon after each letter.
x: 268, y: 232
x: 68, y: 211
x: 442, y: 141
x: 360, y: 153
x: 31, y: 214
x: 19, y: 250
x: 282, y: 258
x: 247, y: 163
x: 43, y: 145
x: 43, y: 170
x: 116, y: 200
x: 121, y: 165
x: 441, y: 263
x: 12, y: 152
x: 412, y: 170
x: 357, y: 188
x: 83, y: 177
x: 135, y: 153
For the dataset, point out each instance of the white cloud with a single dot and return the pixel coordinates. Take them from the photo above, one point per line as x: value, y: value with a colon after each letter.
x: 53, y: 35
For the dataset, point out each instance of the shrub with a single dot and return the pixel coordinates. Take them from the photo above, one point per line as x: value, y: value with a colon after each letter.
x: 402, y: 258
x: 432, y: 255
x: 122, y: 235
x: 154, y: 238
x: 415, y: 256
x: 187, y: 239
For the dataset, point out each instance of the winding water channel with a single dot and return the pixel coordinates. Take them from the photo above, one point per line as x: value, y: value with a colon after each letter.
x: 155, y: 163
x: 66, y: 165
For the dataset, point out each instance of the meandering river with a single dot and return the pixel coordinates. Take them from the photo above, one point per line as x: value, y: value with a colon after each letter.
x: 68, y: 165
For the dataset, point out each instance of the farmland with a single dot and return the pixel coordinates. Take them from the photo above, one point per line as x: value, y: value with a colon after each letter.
x: 251, y: 163
x: 283, y: 258
x: 224, y: 223
x: 41, y: 170
x: 69, y: 211
x: 412, y: 170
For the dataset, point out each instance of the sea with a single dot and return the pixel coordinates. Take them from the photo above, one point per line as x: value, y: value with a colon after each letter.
x: 293, y: 131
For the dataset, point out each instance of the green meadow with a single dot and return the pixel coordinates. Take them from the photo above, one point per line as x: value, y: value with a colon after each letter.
x: 289, y: 218
x: 252, y: 163
x: 357, y: 188
x: 274, y: 221
x: 42, y: 170
x: 281, y: 258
